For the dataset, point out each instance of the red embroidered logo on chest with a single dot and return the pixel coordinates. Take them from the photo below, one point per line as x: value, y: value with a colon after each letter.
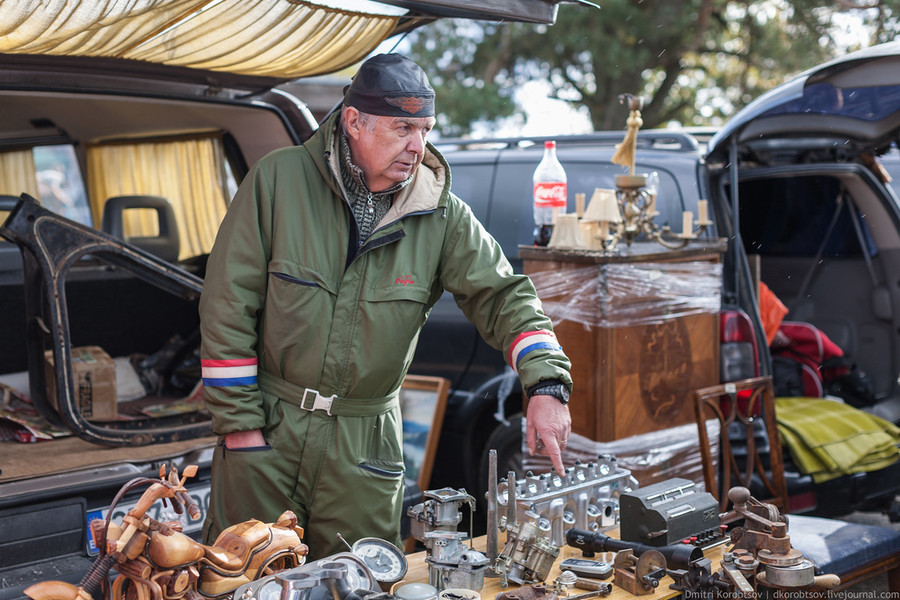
x: 404, y: 280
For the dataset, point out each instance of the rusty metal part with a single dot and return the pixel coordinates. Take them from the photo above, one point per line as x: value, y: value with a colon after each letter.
x: 764, y: 541
x: 739, y: 568
x: 601, y: 591
x: 698, y: 577
x: 582, y: 583
x: 529, y: 592
x: 51, y: 245
x: 639, y: 575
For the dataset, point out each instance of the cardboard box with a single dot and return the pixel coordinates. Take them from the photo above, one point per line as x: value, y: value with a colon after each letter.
x: 94, y: 374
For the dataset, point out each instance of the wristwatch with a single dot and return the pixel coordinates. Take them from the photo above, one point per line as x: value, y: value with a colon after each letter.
x: 557, y: 390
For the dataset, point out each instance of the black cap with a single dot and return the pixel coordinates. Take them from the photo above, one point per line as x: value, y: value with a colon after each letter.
x: 391, y: 85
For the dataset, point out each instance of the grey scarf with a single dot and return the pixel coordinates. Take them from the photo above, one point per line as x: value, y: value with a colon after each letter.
x: 368, y: 207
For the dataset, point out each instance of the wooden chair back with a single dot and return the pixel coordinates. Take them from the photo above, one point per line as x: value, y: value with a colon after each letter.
x: 741, y: 404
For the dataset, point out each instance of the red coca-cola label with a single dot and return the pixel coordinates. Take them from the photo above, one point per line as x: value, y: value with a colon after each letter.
x: 550, y: 194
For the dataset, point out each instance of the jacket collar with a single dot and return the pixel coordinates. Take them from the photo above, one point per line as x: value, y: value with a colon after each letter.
x: 427, y: 191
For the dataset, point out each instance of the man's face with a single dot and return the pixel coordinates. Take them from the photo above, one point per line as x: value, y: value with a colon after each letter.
x: 389, y: 150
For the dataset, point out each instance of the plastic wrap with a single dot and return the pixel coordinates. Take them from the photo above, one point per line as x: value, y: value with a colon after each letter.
x: 651, y: 457
x: 629, y: 294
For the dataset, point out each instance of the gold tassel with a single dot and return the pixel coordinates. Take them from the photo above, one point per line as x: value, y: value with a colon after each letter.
x: 625, y: 151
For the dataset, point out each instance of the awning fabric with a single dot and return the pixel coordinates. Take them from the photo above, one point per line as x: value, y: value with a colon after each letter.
x: 275, y: 38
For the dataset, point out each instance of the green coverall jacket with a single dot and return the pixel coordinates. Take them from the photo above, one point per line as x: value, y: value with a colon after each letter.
x: 291, y: 300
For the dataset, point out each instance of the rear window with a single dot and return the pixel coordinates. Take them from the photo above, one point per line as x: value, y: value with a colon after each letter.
x: 863, y: 103
x: 60, y: 185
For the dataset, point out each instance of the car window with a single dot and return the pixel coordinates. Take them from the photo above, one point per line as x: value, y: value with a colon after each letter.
x: 60, y: 185
x: 511, y: 217
x: 796, y: 216
x: 871, y: 103
x: 51, y: 174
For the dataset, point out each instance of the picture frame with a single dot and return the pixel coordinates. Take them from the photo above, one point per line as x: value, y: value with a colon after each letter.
x: 423, y: 399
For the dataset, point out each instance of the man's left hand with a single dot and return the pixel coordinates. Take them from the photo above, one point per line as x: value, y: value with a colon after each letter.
x: 548, y: 425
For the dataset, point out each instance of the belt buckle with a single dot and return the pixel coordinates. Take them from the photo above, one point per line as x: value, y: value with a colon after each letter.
x: 319, y: 402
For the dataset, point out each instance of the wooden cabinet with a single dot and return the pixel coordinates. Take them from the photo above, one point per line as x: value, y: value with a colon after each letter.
x: 640, y: 327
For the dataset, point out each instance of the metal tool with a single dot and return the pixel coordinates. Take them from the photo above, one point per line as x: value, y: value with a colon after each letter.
x: 764, y: 537
x: 639, y: 575
x: 698, y: 577
x: 568, y: 579
x: 678, y: 556
x: 491, y: 543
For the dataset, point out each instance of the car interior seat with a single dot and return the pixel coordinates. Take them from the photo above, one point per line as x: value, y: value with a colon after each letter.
x: 166, y: 245
x: 855, y: 552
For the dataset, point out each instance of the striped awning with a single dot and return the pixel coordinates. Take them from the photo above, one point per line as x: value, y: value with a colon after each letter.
x: 275, y: 38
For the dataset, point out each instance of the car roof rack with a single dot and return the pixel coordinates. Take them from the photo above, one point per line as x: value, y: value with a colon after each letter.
x: 651, y: 139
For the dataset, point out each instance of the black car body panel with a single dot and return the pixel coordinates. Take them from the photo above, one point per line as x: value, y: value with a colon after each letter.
x: 796, y: 179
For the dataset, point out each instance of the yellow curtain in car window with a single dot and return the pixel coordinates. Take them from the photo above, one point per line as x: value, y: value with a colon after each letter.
x: 188, y: 171
x: 18, y: 173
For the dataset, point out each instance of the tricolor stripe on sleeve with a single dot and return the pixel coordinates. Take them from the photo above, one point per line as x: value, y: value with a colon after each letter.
x: 224, y: 373
x: 528, y: 342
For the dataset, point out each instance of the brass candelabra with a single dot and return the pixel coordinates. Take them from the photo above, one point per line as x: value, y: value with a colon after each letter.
x: 628, y: 213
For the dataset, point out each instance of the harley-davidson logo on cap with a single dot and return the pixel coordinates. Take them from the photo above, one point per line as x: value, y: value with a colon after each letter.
x: 410, y: 104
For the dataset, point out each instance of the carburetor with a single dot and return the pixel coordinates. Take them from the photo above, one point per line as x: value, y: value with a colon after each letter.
x: 434, y: 522
x: 527, y: 556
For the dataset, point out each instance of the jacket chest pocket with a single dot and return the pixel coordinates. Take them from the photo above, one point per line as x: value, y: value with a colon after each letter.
x: 398, y: 311
x: 296, y: 299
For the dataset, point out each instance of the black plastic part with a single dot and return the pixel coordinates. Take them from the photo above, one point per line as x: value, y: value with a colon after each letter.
x: 678, y: 556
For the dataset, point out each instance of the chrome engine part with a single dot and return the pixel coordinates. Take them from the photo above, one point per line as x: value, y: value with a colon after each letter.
x: 331, y: 578
x: 587, y: 497
x: 434, y: 522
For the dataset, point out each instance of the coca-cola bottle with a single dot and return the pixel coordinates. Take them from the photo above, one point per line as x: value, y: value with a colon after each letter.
x: 549, y: 194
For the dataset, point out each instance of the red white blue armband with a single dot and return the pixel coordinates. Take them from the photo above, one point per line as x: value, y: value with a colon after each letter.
x: 229, y: 373
x: 528, y: 342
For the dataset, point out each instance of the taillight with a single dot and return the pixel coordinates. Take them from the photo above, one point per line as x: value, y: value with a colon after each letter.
x: 738, y: 356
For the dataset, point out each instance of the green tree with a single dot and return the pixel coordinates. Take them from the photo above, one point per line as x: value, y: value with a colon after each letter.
x: 694, y: 61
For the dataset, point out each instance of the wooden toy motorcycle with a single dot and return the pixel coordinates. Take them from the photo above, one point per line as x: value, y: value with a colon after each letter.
x: 155, y: 561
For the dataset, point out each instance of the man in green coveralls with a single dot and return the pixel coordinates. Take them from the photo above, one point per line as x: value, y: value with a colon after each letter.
x: 322, y: 275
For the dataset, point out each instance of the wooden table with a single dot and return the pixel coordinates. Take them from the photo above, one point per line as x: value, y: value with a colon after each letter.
x: 418, y: 573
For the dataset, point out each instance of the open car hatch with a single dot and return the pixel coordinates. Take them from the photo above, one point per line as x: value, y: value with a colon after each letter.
x: 852, y: 101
